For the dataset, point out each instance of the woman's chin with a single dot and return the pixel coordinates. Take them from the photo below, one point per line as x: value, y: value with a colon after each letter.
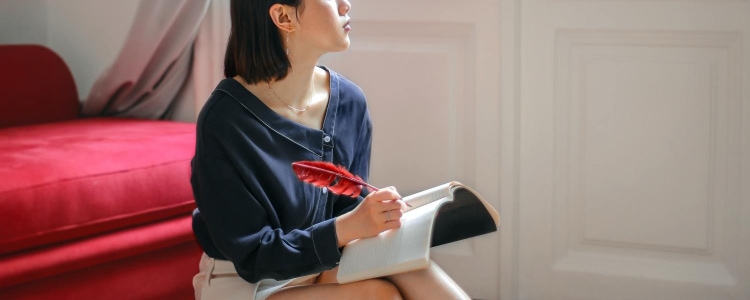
x: 344, y: 46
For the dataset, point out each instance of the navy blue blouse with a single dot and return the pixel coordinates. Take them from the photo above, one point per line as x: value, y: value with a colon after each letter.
x: 252, y: 209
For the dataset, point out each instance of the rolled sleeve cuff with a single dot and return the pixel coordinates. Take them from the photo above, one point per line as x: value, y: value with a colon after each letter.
x: 325, y: 242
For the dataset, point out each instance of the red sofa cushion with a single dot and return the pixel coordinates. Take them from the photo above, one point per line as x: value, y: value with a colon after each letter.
x: 77, y: 178
x: 35, y: 87
x: 29, y: 266
x: 161, y: 274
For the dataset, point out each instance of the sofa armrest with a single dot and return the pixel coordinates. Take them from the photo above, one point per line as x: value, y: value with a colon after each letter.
x: 36, y: 86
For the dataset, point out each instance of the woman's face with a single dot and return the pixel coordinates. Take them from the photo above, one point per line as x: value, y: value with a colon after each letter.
x: 323, y: 24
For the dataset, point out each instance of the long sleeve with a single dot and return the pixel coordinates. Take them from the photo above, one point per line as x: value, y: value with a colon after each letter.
x: 240, y: 227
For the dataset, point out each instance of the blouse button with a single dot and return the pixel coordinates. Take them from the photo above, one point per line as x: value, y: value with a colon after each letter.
x: 327, y: 138
x: 325, y: 190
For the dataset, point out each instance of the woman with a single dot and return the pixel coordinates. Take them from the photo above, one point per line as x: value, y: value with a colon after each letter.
x: 265, y: 234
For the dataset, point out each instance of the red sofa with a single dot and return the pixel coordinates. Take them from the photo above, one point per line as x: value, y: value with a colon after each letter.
x: 90, y: 208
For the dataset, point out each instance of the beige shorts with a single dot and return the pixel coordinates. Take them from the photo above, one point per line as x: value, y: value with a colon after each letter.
x: 218, y: 279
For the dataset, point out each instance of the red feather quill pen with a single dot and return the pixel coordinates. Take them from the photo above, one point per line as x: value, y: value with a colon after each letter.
x: 336, y: 178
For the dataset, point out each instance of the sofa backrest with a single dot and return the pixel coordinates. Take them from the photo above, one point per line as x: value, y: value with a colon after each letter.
x: 35, y: 86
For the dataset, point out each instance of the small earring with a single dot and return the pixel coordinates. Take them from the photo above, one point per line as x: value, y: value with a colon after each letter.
x: 287, y: 43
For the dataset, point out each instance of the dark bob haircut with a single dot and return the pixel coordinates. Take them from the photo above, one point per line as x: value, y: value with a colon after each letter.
x: 255, y: 50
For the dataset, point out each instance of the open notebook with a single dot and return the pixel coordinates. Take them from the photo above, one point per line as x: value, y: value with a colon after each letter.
x: 440, y: 215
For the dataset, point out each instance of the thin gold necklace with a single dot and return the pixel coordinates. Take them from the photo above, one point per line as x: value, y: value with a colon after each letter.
x: 296, y: 110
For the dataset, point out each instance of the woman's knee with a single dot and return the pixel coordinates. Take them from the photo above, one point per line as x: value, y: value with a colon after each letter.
x: 379, y: 289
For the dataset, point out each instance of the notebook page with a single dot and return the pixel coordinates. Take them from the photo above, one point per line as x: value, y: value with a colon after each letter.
x: 421, y: 198
x: 393, y: 251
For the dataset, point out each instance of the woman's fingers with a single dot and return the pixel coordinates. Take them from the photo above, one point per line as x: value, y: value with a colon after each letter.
x: 384, y: 194
x: 380, y: 211
x: 391, y: 205
x: 390, y: 194
x: 395, y: 224
x: 392, y: 215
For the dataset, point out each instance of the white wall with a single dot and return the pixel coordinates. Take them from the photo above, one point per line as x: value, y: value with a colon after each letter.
x: 87, y: 34
x: 23, y: 21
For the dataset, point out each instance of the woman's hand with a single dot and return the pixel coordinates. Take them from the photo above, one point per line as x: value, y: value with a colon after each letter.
x: 378, y: 212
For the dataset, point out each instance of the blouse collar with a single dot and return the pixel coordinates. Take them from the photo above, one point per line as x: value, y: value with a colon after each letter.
x: 311, y: 139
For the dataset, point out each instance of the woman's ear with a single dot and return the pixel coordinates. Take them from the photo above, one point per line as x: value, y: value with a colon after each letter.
x: 282, y: 17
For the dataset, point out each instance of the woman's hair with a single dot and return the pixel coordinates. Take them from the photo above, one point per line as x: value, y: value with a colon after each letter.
x: 255, y: 50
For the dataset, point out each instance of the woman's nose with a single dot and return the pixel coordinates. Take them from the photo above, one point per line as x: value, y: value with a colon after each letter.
x: 344, y: 7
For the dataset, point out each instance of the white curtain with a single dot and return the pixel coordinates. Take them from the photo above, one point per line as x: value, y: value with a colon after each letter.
x: 153, y: 69
x: 208, y: 62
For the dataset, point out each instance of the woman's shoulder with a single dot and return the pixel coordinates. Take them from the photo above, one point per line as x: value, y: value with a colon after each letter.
x: 348, y: 90
x: 222, y: 107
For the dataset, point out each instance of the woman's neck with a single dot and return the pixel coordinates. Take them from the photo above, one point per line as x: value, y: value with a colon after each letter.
x: 297, y: 88
x: 293, y: 94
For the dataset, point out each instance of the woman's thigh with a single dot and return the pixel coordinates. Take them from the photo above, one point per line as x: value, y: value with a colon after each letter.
x: 366, y: 289
x: 428, y: 283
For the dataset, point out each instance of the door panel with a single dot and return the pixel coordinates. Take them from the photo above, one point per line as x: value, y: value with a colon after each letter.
x: 631, y: 150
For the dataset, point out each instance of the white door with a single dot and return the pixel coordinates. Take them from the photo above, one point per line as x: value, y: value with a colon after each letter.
x: 634, y: 148
x: 430, y: 70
